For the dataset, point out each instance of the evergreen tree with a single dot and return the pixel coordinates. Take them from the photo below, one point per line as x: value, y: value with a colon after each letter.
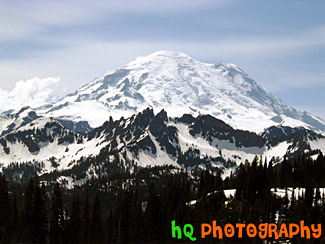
x: 56, y: 216
x: 109, y: 223
x: 254, y: 203
x: 96, y: 225
x: 122, y: 216
x: 85, y: 218
x: 39, y: 233
x: 15, y: 220
x: 136, y: 219
x: 240, y: 182
x: 74, y: 226
x: 27, y: 210
x: 4, y: 208
x: 251, y: 186
x: 152, y: 214
x: 270, y: 175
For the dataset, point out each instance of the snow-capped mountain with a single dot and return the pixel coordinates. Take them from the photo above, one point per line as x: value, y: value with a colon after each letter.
x: 180, y: 84
x: 148, y: 139
x: 163, y: 109
x: 14, y: 120
x: 11, y: 121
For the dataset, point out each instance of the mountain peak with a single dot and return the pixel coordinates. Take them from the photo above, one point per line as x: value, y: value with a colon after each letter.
x: 160, y: 58
x: 174, y: 81
x: 23, y: 109
x: 180, y: 57
x: 168, y: 53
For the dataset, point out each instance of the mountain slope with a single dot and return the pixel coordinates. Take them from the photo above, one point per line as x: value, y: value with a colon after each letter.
x: 180, y: 84
x: 11, y: 121
x: 148, y: 139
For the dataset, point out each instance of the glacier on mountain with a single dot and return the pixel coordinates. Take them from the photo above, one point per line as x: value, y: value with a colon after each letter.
x: 180, y: 84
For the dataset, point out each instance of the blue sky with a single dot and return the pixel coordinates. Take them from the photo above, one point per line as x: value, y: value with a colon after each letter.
x: 280, y: 44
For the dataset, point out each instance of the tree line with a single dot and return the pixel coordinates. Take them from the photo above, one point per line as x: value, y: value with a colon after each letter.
x: 31, y: 213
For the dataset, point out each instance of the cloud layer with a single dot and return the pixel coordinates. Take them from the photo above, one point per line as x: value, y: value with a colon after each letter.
x: 33, y: 92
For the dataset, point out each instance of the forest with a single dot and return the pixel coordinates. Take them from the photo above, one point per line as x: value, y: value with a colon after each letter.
x: 33, y: 212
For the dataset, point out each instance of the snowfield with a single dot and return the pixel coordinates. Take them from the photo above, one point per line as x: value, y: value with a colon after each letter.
x: 180, y: 84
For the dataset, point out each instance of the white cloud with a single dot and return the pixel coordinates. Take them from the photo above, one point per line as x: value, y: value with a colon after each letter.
x: 33, y: 92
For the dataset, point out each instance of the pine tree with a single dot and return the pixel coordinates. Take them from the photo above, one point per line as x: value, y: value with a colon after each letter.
x: 116, y: 232
x: 251, y: 186
x: 27, y: 210
x: 152, y: 214
x: 309, y: 197
x: 240, y: 182
x: 270, y: 175
x: 74, y: 226
x: 39, y: 233
x: 96, y: 224
x: 109, y: 222
x: 122, y: 216
x: 56, y: 216
x: 4, y: 208
x: 15, y: 220
x: 65, y: 233
x: 136, y: 219
x: 85, y: 218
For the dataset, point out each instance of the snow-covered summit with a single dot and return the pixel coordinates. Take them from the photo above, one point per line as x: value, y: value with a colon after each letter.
x: 180, y: 84
x: 11, y: 121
